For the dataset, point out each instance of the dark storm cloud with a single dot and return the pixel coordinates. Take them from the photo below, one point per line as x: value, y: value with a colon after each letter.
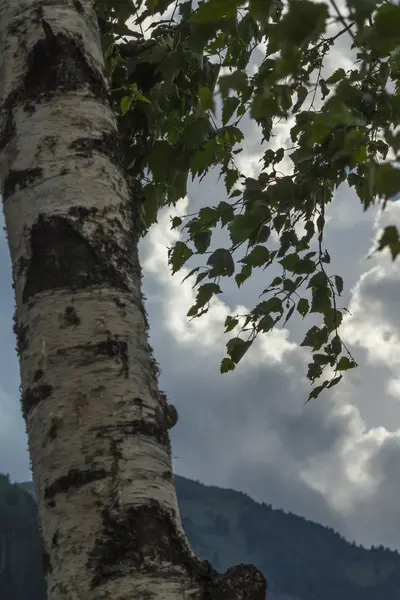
x: 284, y: 453
x: 250, y: 430
x: 380, y: 293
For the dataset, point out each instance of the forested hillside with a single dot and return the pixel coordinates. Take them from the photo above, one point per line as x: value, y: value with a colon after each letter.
x: 20, y: 546
x: 302, y: 560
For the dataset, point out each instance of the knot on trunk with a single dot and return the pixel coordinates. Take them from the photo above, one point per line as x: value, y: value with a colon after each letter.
x: 242, y: 582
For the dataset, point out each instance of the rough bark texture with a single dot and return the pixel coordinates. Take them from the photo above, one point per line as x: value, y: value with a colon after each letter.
x: 98, y: 442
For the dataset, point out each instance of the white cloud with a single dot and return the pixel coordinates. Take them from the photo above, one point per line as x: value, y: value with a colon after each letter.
x: 336, y: 460
x: 178, y: 296
x: 323, y: 459
x: 374, y: 321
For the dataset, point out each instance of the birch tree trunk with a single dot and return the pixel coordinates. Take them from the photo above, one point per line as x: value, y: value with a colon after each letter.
x: 95, y: 419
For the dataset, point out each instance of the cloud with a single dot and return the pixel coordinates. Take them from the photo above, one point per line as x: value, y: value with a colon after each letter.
x: 324, y: 460
x: 335, y: 460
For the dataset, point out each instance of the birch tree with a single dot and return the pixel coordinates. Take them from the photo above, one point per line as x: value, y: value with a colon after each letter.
x: 101, y: 126
x: 96, y: 421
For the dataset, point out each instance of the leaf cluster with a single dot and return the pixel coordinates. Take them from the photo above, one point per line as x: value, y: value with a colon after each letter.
x: 164, y: 85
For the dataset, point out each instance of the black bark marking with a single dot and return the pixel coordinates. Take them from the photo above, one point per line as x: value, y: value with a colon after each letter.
x: 48, y: 30
x: 29, y: 107
x: 143, y: 538
x: 78, y: 6
x: 138, y: 402
x: 37, y: 376
x: 20, y: 179
x: 23, y: 263
x: 116, y: 349
x: 138, y: 537
x: 33, y: 396
x: 138, y: 427
x: 50, y: 141
x: 61, y: 257
x: 53, y: 430
x: 70, y: 317
x: 66, y: 70
x: 107, y: 145
x: 73, y: 481
x: 47, y: 568
x: 116, y: 454
x: 16, y: 26
x: 54, y: 539
x: 21, y: 335
x: 8, y: 131
x: 88, y: 354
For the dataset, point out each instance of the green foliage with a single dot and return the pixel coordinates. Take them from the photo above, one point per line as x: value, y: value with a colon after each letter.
x: 164, y: 91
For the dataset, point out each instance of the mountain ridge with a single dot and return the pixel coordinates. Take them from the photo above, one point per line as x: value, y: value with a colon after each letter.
x: 302, y: 559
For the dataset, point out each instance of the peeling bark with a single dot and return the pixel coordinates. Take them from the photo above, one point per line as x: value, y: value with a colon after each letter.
x: 100, y: 451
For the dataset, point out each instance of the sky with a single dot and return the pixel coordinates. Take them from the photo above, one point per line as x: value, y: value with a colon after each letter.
x: 335, y: 460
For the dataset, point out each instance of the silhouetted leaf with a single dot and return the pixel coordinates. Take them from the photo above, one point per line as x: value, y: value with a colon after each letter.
x: 237, y: 348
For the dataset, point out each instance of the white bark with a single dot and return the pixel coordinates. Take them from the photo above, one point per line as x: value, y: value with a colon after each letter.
x: 99, y: 447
